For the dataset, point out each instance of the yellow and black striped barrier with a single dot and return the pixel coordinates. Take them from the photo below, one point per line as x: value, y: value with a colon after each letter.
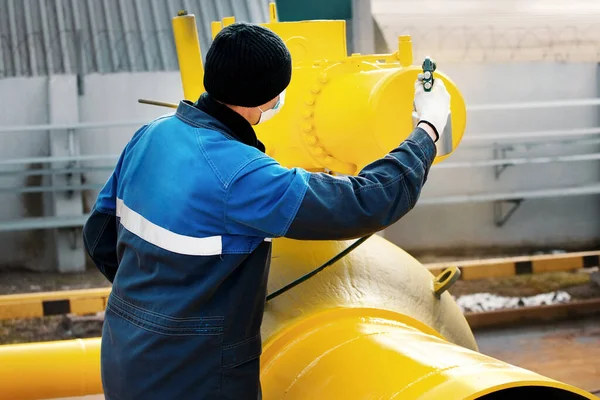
x: 507, y: 267
x: 91, y: 301
x: 33, y: 305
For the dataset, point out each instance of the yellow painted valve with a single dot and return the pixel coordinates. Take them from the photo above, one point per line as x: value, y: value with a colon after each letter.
x: 342, y: 112
x: 188, y: 54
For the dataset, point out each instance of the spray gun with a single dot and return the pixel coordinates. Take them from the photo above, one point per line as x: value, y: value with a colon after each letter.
x: 444, y: 144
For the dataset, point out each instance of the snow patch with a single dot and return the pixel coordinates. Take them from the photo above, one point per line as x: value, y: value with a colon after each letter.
x: 480, y: 302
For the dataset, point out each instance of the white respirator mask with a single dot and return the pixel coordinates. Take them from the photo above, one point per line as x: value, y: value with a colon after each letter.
x: 271, y: 112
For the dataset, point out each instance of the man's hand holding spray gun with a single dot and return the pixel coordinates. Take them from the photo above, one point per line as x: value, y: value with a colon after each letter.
x: 432, y: 108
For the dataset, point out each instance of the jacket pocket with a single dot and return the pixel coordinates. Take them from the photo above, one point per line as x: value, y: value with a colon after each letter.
x: 151, y: 356
x: 240, y: 376
x: 241, y: 352
x: 163, y: 324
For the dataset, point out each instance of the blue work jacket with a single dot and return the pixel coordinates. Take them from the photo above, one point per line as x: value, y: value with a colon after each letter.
x: 183, y: 230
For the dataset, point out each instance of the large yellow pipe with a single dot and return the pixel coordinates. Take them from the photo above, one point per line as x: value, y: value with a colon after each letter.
x: 369, y: 324
x: 343, y: 353
x: 370, y: 354
x: 50, y: 370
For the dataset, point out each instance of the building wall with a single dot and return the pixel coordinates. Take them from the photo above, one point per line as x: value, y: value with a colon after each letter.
x: 24, y: 102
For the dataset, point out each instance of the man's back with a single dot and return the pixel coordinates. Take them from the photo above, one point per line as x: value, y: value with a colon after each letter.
x: 188, y: 298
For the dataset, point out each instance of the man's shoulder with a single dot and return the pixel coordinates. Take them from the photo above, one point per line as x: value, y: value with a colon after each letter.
x: 225, y: 155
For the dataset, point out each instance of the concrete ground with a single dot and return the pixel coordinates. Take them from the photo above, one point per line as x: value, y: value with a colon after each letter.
x: 566, y: 351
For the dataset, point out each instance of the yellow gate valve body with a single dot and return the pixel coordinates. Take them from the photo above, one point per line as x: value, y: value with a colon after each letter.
x: 341, y: 112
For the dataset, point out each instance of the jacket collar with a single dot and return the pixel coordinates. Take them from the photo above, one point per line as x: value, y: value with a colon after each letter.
x: 209, y: 113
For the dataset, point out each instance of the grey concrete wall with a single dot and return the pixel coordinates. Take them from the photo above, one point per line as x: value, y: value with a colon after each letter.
x: 442, y: 229
x: 25, y: 101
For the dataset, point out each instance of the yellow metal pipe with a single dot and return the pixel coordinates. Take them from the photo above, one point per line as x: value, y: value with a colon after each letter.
x: 376, y: 275
x: 188, y: 55
x: 405, y: 53
x: 272, y: 13
x: 215, y: 28
x: 228, y: 21
x: 50, y: 370
x: 347, y: 353
x: 371, y: 354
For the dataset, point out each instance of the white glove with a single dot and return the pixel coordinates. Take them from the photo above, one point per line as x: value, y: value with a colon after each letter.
x: 432, y: 106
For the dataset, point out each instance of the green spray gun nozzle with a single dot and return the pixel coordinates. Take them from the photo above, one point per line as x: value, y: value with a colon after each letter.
x: 444, y: 145
x: 428, y: 69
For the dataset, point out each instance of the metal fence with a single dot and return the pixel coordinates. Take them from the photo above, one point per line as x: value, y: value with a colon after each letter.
x: 82, y: 164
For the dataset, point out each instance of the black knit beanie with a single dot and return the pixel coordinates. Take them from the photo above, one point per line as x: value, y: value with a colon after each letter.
x: 247, y: 65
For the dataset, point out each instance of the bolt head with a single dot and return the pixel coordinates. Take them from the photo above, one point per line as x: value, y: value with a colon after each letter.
x: 311, y: 140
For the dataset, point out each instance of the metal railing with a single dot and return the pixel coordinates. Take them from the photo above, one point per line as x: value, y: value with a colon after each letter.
x: 533, y: 139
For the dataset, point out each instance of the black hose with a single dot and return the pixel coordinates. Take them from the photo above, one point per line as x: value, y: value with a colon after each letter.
x: 315, y: 271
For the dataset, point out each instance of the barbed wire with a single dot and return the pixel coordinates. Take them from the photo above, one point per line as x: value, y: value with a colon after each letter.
x: 484, y: 44
x: 126, y: 51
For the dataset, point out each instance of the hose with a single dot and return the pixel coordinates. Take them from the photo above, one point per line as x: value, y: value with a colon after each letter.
x: 315, y: 271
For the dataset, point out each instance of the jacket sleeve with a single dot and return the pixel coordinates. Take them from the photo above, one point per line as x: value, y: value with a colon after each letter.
x: 266, y: 199
x: 100, y: 230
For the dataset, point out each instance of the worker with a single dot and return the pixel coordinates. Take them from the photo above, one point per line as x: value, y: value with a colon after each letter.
x: 183, y: 226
